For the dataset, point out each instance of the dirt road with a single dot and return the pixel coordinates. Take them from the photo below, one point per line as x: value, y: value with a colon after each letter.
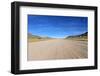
x: 57, y: 49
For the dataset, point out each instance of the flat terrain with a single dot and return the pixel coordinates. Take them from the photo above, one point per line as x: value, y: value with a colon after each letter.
x: 57, y: 49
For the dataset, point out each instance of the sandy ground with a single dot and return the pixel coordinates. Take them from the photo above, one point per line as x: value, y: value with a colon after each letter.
x: 57, y: 49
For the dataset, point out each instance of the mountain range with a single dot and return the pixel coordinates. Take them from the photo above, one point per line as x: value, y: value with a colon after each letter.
x: 38, y: 37
x: 80, y: 35
x: 73, y: 36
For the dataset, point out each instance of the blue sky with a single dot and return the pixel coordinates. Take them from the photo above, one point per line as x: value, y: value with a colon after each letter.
x: 56, y: 26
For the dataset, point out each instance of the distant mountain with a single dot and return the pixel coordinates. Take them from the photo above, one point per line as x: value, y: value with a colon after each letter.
x: 80, y: 35
x: 38, y: 37
x: 33, y: 36
x: 84, y: 34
